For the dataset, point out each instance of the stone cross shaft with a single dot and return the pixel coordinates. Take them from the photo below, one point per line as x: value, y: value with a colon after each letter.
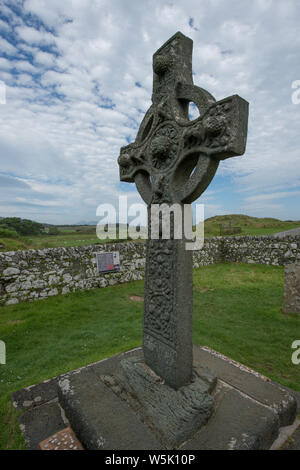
x: 173, y: 160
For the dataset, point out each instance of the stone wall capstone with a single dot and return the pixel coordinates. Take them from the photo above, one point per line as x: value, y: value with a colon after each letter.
x: 36, y: 274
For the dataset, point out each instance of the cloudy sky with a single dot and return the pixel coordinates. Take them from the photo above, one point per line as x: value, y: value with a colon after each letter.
x: 78, y: 80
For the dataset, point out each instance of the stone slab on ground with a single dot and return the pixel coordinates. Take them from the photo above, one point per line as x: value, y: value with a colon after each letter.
x: 35, y: 395
x: 250, y: 408
x: 41, y: 422
x: 99, y: 418
x: 251, y: 383
x: 238, y: 423
x: 286, y: 436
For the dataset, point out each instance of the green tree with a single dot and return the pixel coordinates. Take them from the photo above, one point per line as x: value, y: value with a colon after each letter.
x: 22, y: 226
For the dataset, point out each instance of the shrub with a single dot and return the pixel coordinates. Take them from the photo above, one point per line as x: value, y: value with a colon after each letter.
x: 53, y: 231
x: 8, y: 233
x: 22, y: 226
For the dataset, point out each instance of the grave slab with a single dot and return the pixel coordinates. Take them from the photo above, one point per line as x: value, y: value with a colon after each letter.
x: 40, y: 422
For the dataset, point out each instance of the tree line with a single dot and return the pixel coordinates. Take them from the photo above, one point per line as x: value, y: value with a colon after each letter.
x: 16, y: 225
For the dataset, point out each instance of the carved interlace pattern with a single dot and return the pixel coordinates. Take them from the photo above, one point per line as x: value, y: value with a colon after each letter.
x: 158, y: 319
x: 213, y: 131
x: 162, y: 64
x: 163, y: 146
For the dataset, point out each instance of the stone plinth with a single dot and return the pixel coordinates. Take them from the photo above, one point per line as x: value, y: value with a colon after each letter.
x: 109, y: 411
x: 101, y: 409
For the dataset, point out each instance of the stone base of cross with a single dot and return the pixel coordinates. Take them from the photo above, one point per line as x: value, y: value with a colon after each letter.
x: 172, y: 161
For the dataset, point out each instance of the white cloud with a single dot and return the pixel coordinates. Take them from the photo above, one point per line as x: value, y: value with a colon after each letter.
x: 34, y: 36
x: 4, y: 26
x: 6, y: 47
x: 45, y: 58
x: 5, y: 64
x: 271, y: 196
x: 68, y: 113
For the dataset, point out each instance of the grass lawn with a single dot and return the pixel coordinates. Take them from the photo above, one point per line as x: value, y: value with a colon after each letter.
x: 236, y: 311
x: 65, y: 239
x: 86, y: 235
x: 248, y: 225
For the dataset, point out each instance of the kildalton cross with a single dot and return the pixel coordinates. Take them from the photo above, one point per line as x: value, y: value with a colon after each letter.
x: 173, y: 160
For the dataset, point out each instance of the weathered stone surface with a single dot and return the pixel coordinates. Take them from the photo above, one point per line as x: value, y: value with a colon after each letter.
x: 237, y: 421
x: 168, y: 311
x: 172, y: 161
x: 260, y: 249
x: 12, y: 301
x: 34, y: 274
x: 175, y: 415
x: 291, y: 301
x: 237, y: 424
x: 258, y: 388
x: 293, y: 442
x: 99, y: 418
x: 41, y: 422
x: 35, y: 395
x: 11, y: 272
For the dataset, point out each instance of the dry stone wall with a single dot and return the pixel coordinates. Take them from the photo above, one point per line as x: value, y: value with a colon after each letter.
x: 263, y: 249
x: 36, y: 274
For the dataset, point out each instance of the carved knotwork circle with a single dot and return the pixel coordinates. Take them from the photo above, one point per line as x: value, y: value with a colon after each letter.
x: 214, y: 124
x: 163, y: 146
x: 124, y: 160
x: 161, y: 64
x: 159, y: 147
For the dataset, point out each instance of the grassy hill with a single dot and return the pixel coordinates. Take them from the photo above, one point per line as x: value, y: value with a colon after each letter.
x: 76, y: 235
x: 66, y: 236
x: 249, y: 225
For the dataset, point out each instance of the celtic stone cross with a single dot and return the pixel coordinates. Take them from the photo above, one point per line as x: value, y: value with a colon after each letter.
x: 173, y: 160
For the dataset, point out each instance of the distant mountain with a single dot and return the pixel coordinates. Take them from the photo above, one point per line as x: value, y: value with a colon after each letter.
x: 95, y: 223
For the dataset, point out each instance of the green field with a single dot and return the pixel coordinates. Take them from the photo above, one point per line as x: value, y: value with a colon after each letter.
x: 68, y: 236
x: 236, y: 311
x: 249, y: 225
x: 86, y: 234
